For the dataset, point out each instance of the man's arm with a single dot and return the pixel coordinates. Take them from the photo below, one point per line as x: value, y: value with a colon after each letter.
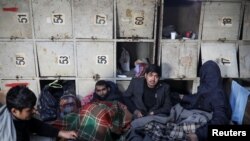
x: 47, y: 130
x: 127, y: 97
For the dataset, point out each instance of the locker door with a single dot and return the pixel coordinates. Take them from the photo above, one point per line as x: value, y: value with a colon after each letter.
x: 95, y: 59
x: 32, y: 84
x: 56, y: 58
x: 15, y: 19
x: 52, y: 18
x: 17, y: 60
x: 93, y: 19
x: 225, y: 56
x: 221, y: 21
x: 179, y: 60
x: 244, y: 59
x: 135, y: 18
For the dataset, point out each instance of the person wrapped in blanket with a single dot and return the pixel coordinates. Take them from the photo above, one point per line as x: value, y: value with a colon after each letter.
x: 210, y: 97
x: 17, y: 121
x: 105, y: 118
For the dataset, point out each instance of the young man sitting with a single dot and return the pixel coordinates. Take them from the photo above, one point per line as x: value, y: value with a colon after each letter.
x: 16, y: 118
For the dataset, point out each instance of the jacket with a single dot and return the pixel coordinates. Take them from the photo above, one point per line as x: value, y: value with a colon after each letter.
x: 133, y: 97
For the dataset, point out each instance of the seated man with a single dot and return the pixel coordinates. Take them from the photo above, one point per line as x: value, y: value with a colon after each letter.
x: 106, y: 91
x: 210, y: 97
x: 104, y: 118
x: 147, y: 96
x: 16, y: 116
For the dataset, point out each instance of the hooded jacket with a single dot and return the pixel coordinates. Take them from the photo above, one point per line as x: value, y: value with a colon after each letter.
x: 210, y: 97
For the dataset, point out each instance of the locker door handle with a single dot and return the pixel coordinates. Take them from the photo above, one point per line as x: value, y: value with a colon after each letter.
x: 96, y: 77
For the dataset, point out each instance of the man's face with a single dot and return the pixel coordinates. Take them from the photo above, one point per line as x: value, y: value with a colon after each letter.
x: 24, y: 114
x: 152, y: 79
x: 102, y: 91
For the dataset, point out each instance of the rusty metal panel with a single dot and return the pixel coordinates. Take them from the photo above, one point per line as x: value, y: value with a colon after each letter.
x: 56, y: 58
x: 7, y: 84
x: 17, y: 59
x: 52, y: 18
x: 224, y: 54
x: 244, y: 59
x: 93, y: 18
x: 246, y: 24
x: 135, y: 18
x: 179, y: 60
x: 15, y: 19
x: 221, y: 21
x: 95, y: 59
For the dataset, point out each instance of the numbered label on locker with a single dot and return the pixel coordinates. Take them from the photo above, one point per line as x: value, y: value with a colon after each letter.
x: 56, y: 58
x: 17, y: 59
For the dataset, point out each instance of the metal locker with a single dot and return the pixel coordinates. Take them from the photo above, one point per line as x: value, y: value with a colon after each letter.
x: 56, y: 58
x: 123, y: 85
x: 15, y: 19
x: 32, y: 84
x: 135, y: 18
x: 244, y: 59
x: 52, y: 19
x: 87, y: 86
x: 246, y: 23
x: 93, y: 18
x: 179, y: 60
x: 17, y: 60
x: 224, y: 54
x: 221, y: 21
x: 95, y: 59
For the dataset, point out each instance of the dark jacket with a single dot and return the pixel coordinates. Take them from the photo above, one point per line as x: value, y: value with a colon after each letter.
x: 210, y: 97
x: 133, y: 97
x: 25, y: 127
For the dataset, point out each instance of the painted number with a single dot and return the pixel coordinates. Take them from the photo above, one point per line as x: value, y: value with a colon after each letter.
x: 100, y: 19
x: 227, y: 21
x: 63, y: 60
x: 58, y: 19
x: 225, y: 61
x: 139, y: 20
x: 102, y: 59
x: 20, y: 60
x: 22, y: 18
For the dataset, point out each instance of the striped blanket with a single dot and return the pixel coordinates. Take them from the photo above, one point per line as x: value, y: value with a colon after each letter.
x: 99, y: 121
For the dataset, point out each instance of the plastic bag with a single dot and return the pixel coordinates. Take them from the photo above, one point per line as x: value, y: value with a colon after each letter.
x: 125, y: 60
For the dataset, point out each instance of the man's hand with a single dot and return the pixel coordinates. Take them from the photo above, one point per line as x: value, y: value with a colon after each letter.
x: 67, y: 134
x: 192, y: 137
x: 138, y: 114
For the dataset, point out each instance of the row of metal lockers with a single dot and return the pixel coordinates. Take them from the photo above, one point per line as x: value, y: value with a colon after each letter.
x: 78, y: 39
x: 68, y: 19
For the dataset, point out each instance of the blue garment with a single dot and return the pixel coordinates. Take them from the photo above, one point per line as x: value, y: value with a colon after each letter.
x: 238, y: 100
x: 7, y: 128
